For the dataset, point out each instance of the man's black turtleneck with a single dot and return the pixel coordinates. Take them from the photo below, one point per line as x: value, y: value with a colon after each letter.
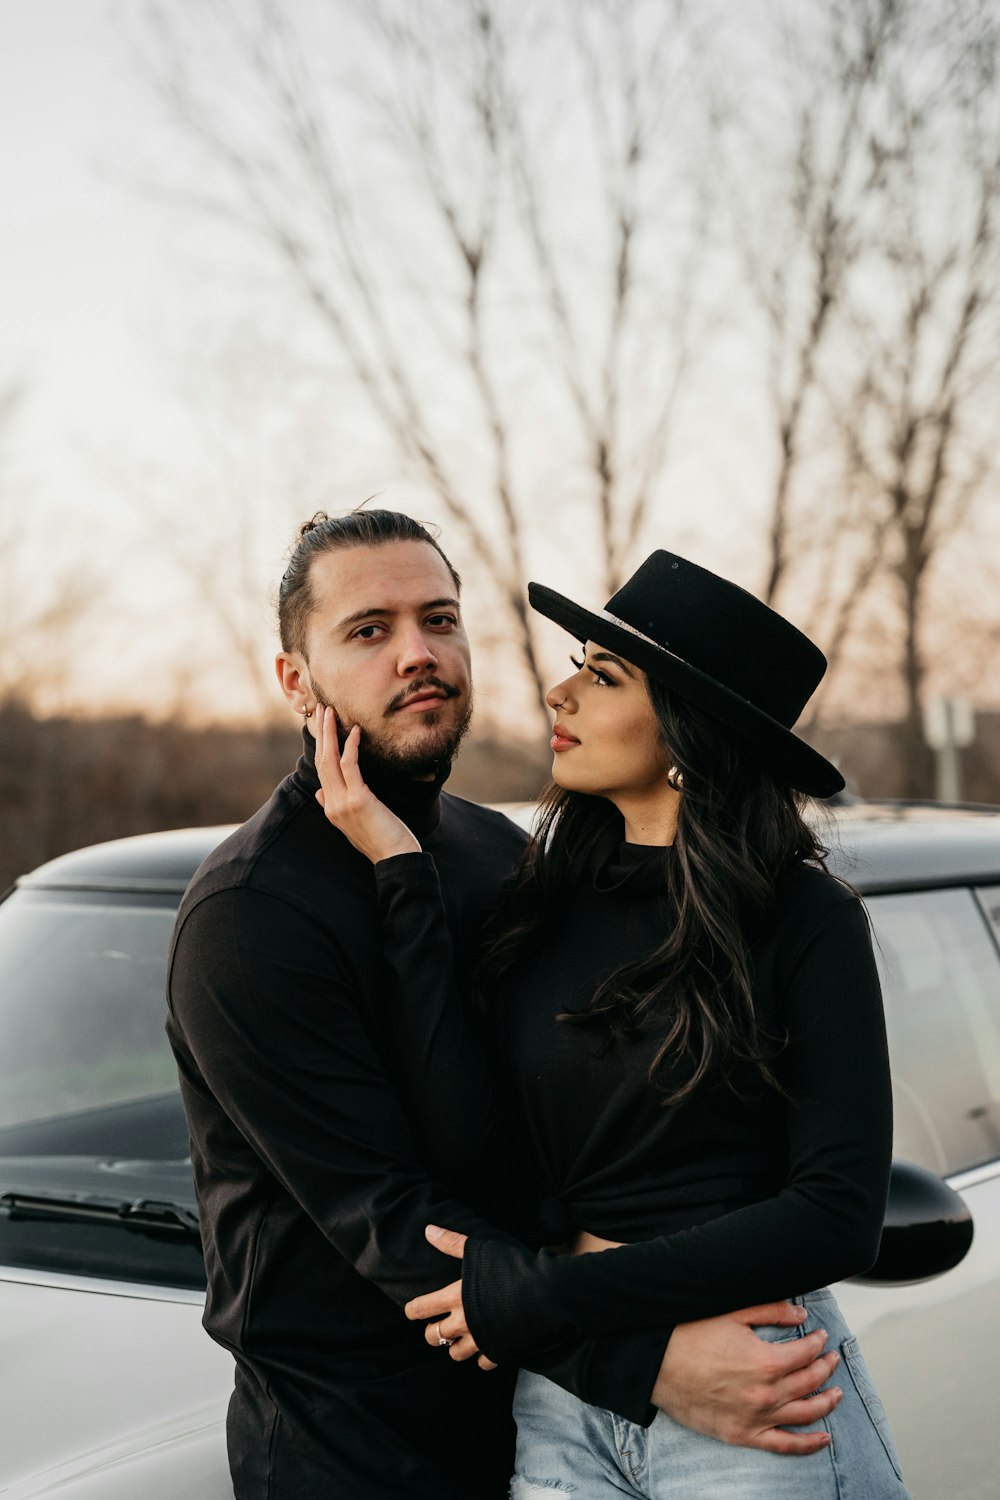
x: 317, y: 1167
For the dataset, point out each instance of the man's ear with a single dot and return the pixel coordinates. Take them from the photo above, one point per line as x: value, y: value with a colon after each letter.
x: 293, y: 676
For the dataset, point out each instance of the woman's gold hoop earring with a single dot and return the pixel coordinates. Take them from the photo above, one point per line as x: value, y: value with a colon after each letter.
x: 306, y: 713
x: 676, y: 778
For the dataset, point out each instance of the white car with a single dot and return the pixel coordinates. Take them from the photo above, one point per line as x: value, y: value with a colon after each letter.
x: 109, y: 1387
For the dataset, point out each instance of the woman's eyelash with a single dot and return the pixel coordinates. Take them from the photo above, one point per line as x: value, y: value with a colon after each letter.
x: 601, y: 676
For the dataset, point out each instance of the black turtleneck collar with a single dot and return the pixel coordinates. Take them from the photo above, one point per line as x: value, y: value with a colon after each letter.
x: 628, y: 869
x: 634, y: 869
x: 418, y: 803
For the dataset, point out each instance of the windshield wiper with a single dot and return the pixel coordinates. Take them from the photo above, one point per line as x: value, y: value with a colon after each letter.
x: 158, y: 1215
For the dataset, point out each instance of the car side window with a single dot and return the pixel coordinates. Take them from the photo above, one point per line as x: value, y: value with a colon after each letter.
x: 989, y: 900
x: 941, y: 979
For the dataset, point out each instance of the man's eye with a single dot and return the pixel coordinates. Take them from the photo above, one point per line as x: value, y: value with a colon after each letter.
x: 442, y: 620
x: 362, y: 635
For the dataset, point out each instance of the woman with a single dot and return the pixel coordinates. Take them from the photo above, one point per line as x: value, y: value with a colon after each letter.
x: 693, y: 1035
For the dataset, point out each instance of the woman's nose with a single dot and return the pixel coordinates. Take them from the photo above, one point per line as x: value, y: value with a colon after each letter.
x: 558, y: 697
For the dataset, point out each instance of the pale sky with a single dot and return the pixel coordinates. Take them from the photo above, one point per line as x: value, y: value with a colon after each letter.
x: 170, y: 411
x: 110, y: 302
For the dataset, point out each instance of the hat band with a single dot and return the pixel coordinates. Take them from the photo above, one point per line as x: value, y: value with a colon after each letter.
x: 649, y: 641
x: 624, y: 625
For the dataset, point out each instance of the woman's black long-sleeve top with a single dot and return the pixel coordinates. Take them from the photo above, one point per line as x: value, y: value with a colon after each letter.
x: 743, y: 1195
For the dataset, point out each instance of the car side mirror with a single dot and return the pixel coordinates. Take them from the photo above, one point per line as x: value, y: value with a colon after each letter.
x: 927, y: 1229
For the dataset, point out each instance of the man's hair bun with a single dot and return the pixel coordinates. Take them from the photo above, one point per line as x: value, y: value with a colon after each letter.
x: 312, y: 523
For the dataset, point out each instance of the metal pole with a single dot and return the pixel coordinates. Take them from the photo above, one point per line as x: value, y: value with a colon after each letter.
x: 949, y: 779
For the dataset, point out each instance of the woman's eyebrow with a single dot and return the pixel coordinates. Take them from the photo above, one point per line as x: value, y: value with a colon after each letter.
x: 607, y: 656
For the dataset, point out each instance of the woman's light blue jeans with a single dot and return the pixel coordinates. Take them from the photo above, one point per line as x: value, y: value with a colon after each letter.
x: 565, y: 1447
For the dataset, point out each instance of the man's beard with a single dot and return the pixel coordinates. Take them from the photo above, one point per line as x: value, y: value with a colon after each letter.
x: 377, y: 752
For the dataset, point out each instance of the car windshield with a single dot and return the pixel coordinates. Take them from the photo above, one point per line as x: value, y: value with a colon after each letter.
x: 81, y: 1002
x: 93, y: 1143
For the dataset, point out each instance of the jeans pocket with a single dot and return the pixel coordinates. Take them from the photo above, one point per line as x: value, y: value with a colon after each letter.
x: 860, y: 1374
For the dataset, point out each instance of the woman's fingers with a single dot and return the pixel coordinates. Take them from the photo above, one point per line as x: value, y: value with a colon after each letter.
x: 434, y: 1304
x: 453, y: 1326
x: 463, y: 1348
x: 448, y: 1241
x: 349, y: 760
x: 484, y: 1363
x: 327, y: 749
x: 451, y: 1333
x: 338, y: 771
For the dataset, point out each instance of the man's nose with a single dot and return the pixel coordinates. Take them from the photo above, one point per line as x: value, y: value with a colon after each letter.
x: 416, y: 655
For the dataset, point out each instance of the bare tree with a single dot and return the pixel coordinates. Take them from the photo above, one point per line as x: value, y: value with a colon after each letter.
x: 470, y: 292
x: 799, y: 197
x: 876, y: 271
x: 924, y: 403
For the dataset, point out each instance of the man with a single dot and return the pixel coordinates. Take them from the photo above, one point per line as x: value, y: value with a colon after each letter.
x: 314, y: 1184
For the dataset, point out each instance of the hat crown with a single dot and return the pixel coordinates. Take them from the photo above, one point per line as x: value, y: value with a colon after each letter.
x: 723, y: 631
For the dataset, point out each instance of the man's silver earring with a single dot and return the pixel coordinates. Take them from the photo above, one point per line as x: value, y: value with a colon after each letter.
x: 676, y: 778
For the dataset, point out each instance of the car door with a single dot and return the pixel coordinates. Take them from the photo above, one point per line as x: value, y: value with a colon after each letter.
x: 933, y: 1346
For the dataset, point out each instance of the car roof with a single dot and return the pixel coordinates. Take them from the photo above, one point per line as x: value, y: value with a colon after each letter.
x: 880, y: 846
x: 144, y: 862
x: 877, y: 846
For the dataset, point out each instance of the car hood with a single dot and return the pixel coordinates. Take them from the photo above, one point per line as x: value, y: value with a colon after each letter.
x: 95, y: 1382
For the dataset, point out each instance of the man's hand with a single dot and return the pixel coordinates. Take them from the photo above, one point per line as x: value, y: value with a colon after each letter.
x: 719, y: 1378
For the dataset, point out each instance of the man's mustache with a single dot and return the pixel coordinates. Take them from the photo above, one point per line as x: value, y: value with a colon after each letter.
x: 416, y: 688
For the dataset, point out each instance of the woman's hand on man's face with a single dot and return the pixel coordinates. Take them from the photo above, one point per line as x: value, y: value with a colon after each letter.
x: 348, y: 803
x: 444, y: 1308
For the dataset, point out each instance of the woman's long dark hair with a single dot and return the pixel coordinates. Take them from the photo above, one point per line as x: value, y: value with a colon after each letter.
x: 739, y: 827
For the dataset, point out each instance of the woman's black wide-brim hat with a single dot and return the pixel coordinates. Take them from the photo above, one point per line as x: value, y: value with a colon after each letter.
x: 722, y: 650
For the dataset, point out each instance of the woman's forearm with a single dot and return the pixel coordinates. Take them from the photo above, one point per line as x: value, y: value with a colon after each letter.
x: 436, y: 1049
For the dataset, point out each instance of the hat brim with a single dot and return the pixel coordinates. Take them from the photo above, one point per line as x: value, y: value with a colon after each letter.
x: 800, y: 765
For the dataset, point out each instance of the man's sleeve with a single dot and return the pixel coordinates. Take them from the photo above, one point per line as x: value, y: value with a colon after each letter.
x: 265, y: 1010
x: 824, y: 1225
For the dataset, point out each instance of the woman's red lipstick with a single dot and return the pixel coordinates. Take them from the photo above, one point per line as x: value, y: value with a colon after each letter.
x: 562, y: 739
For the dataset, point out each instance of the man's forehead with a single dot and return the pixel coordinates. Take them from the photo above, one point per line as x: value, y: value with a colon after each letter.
x: 395, y: 575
